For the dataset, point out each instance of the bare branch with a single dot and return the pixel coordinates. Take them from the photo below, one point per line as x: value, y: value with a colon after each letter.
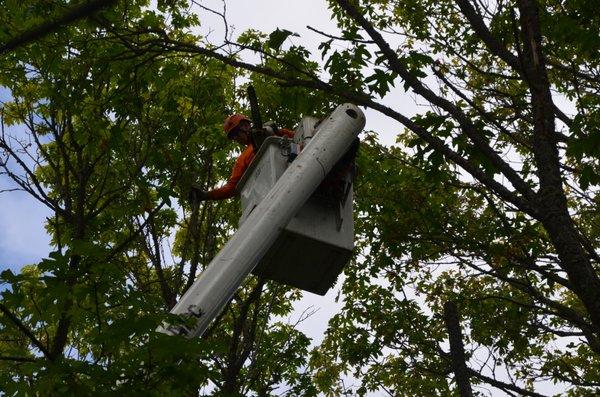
x: 503, y: 385
x: 353, y: 40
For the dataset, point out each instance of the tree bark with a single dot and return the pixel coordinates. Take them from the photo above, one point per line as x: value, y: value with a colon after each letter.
x: 457, y: 349
x: 554, y: 211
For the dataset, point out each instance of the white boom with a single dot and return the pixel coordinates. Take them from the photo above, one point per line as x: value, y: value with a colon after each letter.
x: 212, y: 290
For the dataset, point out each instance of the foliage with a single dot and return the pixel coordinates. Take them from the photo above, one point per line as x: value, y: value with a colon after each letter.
x: 108, y: 137
x: 475, y: 204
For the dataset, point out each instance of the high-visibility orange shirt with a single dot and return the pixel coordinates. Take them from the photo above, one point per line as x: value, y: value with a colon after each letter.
x: 241, y: 165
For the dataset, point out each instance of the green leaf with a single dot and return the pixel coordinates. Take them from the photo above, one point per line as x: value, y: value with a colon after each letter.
x: 278, y: 36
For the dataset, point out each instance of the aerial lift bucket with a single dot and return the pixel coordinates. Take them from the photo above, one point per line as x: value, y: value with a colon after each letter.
x: 316, y: 244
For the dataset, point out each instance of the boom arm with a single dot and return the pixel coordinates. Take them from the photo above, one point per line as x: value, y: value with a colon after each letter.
x: 216, y: 285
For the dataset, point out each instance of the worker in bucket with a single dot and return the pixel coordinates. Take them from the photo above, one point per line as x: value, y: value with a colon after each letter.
x: 238, y: 128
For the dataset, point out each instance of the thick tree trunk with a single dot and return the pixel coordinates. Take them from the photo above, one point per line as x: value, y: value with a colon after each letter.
x: 575, y: 262
x: 552, y: 201
x: 457, y: 349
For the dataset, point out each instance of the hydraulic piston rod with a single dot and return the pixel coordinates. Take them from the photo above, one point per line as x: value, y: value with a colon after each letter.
x: 216, y: 285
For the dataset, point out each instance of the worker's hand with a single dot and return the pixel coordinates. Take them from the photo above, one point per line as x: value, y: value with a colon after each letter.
x: 271, y: 128
x: 196, y: 194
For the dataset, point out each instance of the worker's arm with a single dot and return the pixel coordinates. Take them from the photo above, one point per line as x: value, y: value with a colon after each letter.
x: 285, y: 132
x: 228, y: 190
x: 241, y: 164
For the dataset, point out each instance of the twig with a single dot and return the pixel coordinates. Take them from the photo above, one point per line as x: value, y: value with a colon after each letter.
x: 338, y: 37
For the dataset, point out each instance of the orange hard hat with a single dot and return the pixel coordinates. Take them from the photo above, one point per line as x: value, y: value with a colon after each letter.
x: 233, y: 121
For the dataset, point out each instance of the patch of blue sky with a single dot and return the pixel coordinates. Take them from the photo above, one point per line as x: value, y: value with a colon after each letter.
x: 23, y: 239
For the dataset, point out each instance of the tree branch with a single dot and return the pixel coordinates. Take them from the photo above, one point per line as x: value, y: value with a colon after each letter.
x: 478, y: 25
x: 19, y: 324
x: 353, y: 40
x: 466, y: 125
x: 18, y: 359
x: 457, y: 349
x: 71, y: 15
x: 502, y: 385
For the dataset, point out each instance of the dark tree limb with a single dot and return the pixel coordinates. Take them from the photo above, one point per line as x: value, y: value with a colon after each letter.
x: 503, y: 385
x: 63, y: 327
x: 478, y: 25
x: 71, y: 15
x: 555, y: 217
x: 18, y: 359
x: 506, y: 387
x: 242, y: 338
x: 25, y: 330
x: 457, y: 349
x: 153, y: 249
x: 417, y: 86
x: 353, y: 40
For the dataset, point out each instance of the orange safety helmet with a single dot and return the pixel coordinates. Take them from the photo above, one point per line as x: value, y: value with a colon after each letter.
x: 233, y: 121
